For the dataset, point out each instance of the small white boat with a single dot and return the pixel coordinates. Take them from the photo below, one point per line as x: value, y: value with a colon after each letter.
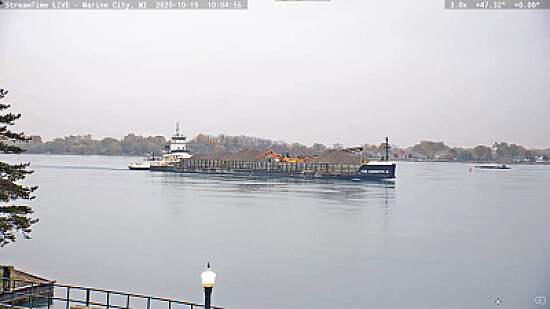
x: 145, y: 165
x: 494, y: 167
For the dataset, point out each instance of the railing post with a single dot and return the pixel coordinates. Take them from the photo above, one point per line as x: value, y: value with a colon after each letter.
x: 108, y: 298
x: 6, y: 275
x: 148, y: 302
x: 13, y: 293
x: 68, y: 294
x: 87, y: 297
x: 50, y: 288
x: 31, y: 294
x: 128, y: 301
x: 169, y: 304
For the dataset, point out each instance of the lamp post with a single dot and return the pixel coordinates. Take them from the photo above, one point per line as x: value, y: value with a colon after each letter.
x: 208, y: 279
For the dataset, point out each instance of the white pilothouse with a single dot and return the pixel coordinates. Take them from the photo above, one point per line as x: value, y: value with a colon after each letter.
x: 177, y: 147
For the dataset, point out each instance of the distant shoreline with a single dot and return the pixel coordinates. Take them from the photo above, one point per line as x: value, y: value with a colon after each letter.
x: 423, y: 151
x: 370, y: 159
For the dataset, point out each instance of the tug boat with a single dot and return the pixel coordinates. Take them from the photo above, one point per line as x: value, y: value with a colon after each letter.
x: 173, y: 152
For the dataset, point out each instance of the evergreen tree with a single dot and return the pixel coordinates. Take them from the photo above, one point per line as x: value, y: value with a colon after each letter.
x: 13, y: 218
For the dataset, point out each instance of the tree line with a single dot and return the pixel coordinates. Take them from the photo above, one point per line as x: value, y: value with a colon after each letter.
x: 502, y: 151
x: 138, y: 145
x: 133, y: 144
x: 130, y: 144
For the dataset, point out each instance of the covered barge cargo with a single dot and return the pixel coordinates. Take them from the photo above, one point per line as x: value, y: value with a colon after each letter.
x: 335, y: 164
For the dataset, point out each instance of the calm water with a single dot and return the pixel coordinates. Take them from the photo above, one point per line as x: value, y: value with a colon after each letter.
x: 440, y: 237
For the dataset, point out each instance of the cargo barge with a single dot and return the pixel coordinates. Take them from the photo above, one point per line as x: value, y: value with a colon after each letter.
x: 370, y: 171
x: 331, y: 164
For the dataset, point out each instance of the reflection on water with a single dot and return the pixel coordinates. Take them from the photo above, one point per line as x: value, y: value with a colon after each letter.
x: 327, y: 191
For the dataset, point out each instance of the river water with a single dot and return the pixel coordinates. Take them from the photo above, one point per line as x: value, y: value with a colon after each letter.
x: 439, y: 237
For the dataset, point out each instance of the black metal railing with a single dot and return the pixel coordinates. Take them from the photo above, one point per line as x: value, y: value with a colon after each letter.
x: 18, y: 293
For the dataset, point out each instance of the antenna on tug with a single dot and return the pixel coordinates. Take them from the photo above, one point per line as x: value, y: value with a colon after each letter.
x: 387, y: 149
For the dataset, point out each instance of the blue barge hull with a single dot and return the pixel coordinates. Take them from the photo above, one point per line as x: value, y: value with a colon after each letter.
x: 371, y: 171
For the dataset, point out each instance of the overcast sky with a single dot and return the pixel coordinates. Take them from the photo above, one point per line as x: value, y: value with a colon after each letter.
x: 350, y: 71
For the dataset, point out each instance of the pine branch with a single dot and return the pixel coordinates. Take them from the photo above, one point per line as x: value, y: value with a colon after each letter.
x: 14, y: 172
x: 10, y: 149
x: 9, y: 118
x: 12, y: 219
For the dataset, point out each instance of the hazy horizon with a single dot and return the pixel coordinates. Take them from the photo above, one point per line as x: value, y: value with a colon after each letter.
x: 167, y: 136
x: 341, y: 71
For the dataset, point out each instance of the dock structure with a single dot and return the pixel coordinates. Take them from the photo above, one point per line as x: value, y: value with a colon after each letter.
x: 17, y: 285
x: 22, y: 290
